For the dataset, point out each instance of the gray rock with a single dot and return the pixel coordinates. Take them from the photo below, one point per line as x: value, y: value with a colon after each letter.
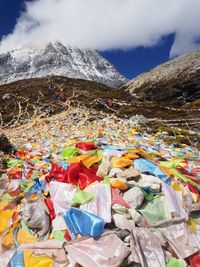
x: 134, y: 197
x: 122, y: 234
x: 137, y: 217
x: 122, y: 222
x: 129, y: 173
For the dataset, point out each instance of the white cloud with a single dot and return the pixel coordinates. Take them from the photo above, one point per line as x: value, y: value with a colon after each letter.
x: 107, y: 24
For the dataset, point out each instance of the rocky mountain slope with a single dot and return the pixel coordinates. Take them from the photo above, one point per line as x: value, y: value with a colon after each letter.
x: 22, y: 101
x: 42, y: 97
x: 176, y: 82
x: 56, y: 59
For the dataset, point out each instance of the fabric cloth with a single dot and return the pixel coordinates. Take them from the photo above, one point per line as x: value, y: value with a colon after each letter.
x: 84, y: 223
x: 86, y: 146
x: 129, y: 174
x: 35, y: 216
x: 195, y: 260
x: 122, y: 222
x: 180, y: 238
x: 117, y: 199
x: 118, y: 184
x: 5, y: 257
x: 146, y: 248
x: 107, y: 251
x: 57, y: 173
x: 17, y: 260
x: 69, y: 152
x: 120, y: 162
x: 50, y: 207
x: 108, y: 154
x: 81, y: 176
x: 104, y: 168
x: 86, y: 160
x: 150, y: 181
x: 155, y: 210
x: 44, y: 253
x: 61, y: 195
x: 81, y: 197
x: 87, y: 177
x: 176, y: 263
x: 151, y: 168
x: 6, y: 219
x: 174, y: 201
x: 101, y: 204
x: 37, y: 187
x: 58, y: 223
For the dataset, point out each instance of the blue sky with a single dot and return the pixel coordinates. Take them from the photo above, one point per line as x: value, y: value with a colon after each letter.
x: 129, y: 62
x: 133, y: 62
x: 9, y: 11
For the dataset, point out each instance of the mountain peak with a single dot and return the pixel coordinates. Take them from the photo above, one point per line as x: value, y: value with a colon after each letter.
x: 57, y: 59
x: 56, y: 45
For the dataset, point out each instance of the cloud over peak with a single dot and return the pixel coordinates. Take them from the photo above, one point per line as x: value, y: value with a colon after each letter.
x: 107, y: 24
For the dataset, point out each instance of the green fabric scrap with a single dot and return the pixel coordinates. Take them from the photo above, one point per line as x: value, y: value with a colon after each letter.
x: 81, y: 197
x: 7, y: 197
x: 95, y: 152
x: 147, y: 196
x: 35, y: 174
x: 168, y: 164
x: 106, y: 180
x: 25, y: 186
x: 182, y: 177
x: 119, y: 209
x: 175, y: 263
x: 59, y: 235
x: 69, y: 152
x: 155, y: 210
x: 11, y: 163
x: 92, y: 152
x: 25, y: 227
x: 172, y: 166
x: 35, y: 160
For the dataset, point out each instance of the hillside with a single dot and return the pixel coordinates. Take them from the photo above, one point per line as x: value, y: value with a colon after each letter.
x: 24, y: 101
x: 175, y: 83
x: 43, y: 97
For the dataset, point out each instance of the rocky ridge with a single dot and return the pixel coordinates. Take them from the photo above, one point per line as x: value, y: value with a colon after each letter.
x: 174, y: 82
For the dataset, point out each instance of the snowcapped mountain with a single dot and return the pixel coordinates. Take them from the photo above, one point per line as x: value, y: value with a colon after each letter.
x: 57, y: 59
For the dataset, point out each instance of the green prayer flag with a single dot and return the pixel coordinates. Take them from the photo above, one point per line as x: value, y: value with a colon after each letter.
x: 14, y: 162
x: 119, y: 209
x: 155, y: 210
x: 106, y: 180
x: 175, y: 263
x: 147, y: 196
x: 81, y: 197
x: 7, y: 197
x: 59, y: 235
x: 183, y: 178
x: 168, y: 164
x: 69, y: 152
